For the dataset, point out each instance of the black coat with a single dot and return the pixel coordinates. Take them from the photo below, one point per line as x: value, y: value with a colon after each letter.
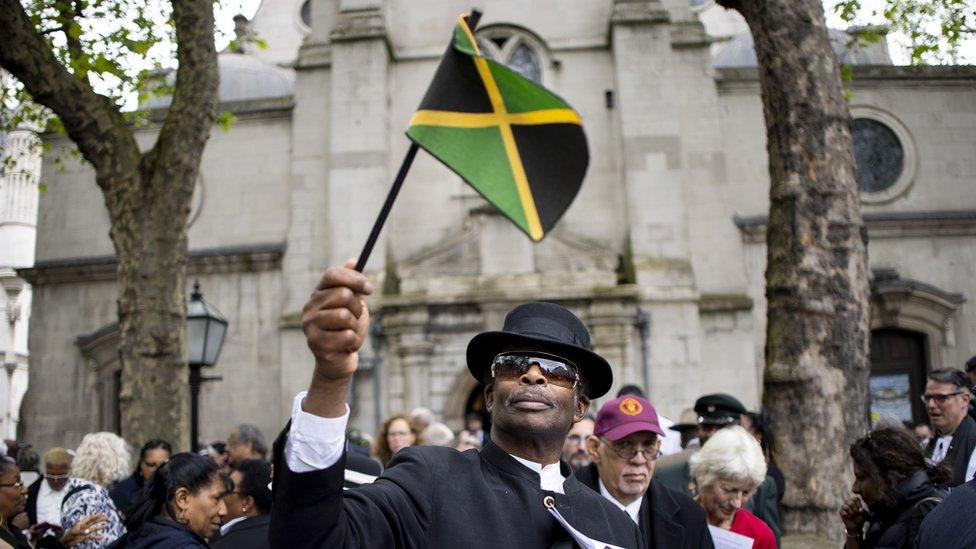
x: 14, y: 538
x: 962, y: 446
x: 126, y: 491
x: 668, y: 519
x: 895, y: 526
x: 951, y: 523
x: 31, y: 507
x: 250, y: 533
x: 433, y: 497
x: 160, y: 533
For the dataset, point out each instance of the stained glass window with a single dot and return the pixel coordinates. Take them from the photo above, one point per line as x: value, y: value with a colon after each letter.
x: 878, y: 155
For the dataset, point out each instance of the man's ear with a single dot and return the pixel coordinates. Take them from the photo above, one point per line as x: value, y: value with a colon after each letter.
x: 593, y: 448
x: 582, y: 405
x: 489, y: 394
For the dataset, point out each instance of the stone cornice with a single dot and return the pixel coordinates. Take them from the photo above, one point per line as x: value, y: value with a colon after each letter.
x: 230, y: 259
x: 881, y: 225
x: 732, y: 79
x: 636, y: 12
x: 355, y: 25
x: 316, y: 55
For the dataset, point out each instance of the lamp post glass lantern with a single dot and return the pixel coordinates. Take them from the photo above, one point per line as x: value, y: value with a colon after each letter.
x: 205, y: 331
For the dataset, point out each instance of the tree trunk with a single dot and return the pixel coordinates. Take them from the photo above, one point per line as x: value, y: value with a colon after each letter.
x: 817, y: 290
x: 148, y: 200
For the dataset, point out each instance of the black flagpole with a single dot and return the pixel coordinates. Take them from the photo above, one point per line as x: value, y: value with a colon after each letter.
x: 387, y: 206
x: 473, y: 18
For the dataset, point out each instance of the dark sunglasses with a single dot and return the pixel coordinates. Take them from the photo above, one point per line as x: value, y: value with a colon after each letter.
x: 557, y: 371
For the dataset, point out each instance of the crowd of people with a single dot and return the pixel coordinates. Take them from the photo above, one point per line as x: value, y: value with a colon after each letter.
x: 93, y: 497
x: 536, y: 469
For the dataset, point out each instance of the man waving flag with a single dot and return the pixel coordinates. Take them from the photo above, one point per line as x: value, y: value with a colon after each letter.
x: 518, y: 144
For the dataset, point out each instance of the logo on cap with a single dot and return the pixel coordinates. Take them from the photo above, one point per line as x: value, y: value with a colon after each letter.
x: 631, y: 407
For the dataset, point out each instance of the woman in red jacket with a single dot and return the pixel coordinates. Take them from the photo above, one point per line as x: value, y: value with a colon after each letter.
x: 727, y: 470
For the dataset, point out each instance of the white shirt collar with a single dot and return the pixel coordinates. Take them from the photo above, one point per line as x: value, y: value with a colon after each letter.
x: 227, y: 525
x: 632, y: 508
x: 550, y: 476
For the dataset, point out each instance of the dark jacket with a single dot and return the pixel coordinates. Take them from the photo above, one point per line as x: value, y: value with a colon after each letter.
x: 668, y: 519
x: 432, y: 497
x: 14, y: 538
x: 31, y: 507
x: 896, y: 525
x: 962, y: 446
x: 126, y: 491
x: 250, y: 533
x: 951, y: 523
x: 160, y: 533
x: 676, y: 474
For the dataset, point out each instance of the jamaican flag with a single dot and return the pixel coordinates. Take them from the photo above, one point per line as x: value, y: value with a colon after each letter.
x: 518, y: 144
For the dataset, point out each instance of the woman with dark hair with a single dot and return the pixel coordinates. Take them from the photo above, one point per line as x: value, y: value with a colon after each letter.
x: 153, y: 454
x: 897, y: 486
x: 181, y: 506
x: 13, y: 497
x: 248, y: 507
x: 760, y: 425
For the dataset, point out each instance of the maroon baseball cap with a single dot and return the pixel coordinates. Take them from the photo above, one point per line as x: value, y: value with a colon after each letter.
x: 625, y: 416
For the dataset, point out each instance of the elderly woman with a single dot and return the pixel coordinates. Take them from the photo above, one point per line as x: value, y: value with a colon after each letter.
x: 899, y: 489
x: 727, y: 470
x: 181, y: 506
x: 100, y: 460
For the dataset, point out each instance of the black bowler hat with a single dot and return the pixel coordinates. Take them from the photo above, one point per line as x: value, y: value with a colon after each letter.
x: 547, y: 328
x: 719, y: 409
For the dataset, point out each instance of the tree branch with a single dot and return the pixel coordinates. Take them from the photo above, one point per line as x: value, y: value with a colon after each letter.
x: 92, y: 121
x: 190, y: 116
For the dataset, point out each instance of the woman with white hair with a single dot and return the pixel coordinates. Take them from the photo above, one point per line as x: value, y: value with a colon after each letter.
x: 727, y: 470
x: 100, y: 460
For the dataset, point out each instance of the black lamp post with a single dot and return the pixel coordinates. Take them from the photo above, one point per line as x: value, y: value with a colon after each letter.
x: 205, y: 330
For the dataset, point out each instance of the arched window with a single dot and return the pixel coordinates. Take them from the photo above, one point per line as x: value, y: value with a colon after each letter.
x: 517, y: 49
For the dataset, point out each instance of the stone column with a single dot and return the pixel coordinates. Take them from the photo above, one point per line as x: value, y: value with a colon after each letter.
x: 359, y: 163
x: 654, y: 174
x: 611, y: 324
x: 408, y: 334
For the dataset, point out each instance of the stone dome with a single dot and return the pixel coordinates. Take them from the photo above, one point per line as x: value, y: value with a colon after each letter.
x: 739, y: 51
x: 243, y: 77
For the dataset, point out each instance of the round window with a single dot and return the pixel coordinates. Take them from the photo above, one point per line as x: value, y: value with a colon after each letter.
x: 878, y: 155
x: 305, y: 12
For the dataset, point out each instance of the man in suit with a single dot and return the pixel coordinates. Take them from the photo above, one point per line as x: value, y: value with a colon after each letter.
x: 539, y: 374
x: 947, y: 398
x: 45, y: 494
x: 717, y: 411
x: 624, y: 448
x: 248, y: 507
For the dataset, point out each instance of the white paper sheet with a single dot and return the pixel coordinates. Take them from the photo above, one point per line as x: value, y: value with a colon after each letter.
x: 725, y: 539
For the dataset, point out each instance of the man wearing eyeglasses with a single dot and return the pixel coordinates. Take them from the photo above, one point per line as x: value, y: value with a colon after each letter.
x: 539, y: 374
x: 946, y: 401
x: 45, y: 494
x: 624, y: 447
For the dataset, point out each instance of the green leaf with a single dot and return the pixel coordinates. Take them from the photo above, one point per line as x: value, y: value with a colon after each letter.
x: 42, y: 187
x: 225, y: 119
x: 74, y: 30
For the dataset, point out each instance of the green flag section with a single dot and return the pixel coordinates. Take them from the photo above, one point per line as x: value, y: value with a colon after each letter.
x: 518, y: 144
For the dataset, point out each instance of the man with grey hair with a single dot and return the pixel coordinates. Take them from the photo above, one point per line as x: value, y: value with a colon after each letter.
x: 422, y: 418
x: 246, y: 442
x: 437, y: 434
x: 946, y: 401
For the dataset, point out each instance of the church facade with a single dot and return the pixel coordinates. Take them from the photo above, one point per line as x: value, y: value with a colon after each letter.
x: 662, y: 253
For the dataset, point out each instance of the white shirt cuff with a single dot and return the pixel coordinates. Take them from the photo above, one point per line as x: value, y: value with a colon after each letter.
x: 314, y: 442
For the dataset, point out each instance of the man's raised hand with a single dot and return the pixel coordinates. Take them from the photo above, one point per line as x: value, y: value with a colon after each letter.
x: 335, y: 321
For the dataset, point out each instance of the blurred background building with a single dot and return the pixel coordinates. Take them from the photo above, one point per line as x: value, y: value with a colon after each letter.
x: 662, y: 253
